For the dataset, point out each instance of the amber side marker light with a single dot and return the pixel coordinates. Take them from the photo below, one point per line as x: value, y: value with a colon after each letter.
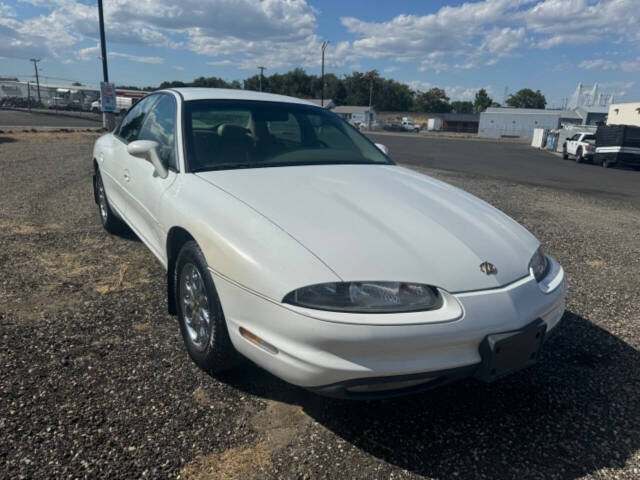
x: 256, y: 340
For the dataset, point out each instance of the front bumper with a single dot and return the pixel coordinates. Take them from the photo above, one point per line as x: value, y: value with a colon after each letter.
x: 331, y: 358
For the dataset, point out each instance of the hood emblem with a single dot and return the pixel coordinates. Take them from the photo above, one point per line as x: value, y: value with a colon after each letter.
x: 488, y: 268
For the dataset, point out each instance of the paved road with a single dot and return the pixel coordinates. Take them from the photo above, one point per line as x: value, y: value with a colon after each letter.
x: 16, y: 118
x: 512, y: 161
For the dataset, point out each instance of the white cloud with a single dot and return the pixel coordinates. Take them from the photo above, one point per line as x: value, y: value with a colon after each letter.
x: 454, y: 92
x: 632, y: 65
x: 598, y: 63
x: 483, y: 32
x: 136, y: 58
x: 284, y: 33
x: 92, y: 53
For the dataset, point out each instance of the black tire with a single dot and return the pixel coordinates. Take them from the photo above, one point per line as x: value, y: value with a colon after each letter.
x: 606, y: 163
x: 579, y: 158
x: 209, y: 347
x: 109, y: 220
x: 565, y: 155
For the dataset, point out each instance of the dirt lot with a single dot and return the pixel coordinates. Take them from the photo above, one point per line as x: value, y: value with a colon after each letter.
x: 95, y: 381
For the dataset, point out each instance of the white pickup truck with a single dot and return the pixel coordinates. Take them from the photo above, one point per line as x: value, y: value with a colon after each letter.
x: 581, y: 147
x: 409, y: 126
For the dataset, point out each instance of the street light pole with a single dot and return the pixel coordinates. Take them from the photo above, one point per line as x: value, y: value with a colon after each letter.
x: 324, y: 46
x: 35, y: 65
x: 107, y: 117
x: 370, y: 101
x: 262, y: 69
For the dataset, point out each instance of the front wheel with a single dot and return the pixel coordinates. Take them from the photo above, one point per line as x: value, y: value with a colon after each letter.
x: 565, y: 155
x: 202, y: 322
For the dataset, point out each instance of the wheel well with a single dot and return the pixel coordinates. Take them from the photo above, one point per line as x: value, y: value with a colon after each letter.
x: 176, y: 238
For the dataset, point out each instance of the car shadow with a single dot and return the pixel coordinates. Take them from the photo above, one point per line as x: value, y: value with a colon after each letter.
x: 576, y: 412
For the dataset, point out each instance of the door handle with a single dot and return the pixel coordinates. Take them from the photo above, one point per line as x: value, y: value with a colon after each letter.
x: 126, y: 176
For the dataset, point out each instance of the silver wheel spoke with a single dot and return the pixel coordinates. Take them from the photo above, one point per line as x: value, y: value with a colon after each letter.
x: 193, y: 297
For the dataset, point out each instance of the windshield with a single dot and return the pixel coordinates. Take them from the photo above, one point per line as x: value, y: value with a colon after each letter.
x: 223, y: 134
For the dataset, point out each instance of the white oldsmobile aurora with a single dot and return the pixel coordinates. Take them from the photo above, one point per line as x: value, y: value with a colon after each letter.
x: 290, y: 238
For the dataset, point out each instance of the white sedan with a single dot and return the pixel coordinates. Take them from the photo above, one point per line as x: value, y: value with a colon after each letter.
x: 291, y: 239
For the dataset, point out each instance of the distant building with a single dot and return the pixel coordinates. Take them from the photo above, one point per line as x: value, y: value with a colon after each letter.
x: 355, y: 114
x: 520, y: 122
x: 460, y: 122
x: 624, y: 114
x: 592, y: 115
x: 328, y: 103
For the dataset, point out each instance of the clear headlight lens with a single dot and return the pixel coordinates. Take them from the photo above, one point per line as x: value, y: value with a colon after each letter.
x: 539, y: 265
x: 366, y: 297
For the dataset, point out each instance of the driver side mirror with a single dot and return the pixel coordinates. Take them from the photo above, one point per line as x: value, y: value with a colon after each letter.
x: 383, y: 148
x: 148, y: 150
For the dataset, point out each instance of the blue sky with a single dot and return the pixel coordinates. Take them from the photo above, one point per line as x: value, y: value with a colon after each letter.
x: 549, y: 45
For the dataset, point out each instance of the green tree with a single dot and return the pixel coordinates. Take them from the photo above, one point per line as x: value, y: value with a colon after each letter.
x: 482, y: 101
x: 527, y: 98
x: 462, y: 107
x: 76, y: 84
x: 434, y: 100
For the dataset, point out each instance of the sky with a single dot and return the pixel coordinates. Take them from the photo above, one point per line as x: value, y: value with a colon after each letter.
x: 460, y: 46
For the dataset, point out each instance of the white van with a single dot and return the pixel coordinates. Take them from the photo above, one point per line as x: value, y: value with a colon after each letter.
x: 122, y: 105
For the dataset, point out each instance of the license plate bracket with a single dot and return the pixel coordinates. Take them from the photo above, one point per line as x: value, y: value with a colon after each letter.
x: 507, y: 352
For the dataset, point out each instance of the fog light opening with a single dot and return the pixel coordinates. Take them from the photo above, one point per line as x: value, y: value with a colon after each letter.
x: 256, y: 340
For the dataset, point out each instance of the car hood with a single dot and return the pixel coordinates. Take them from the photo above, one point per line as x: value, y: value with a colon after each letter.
x: 384, y: 222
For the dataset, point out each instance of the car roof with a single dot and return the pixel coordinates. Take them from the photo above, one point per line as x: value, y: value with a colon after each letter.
x: 194, y: 93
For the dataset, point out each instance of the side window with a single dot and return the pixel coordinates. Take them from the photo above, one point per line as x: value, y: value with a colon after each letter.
x: 132, y: 122
x: 288, y: 130
x: 160, y: 126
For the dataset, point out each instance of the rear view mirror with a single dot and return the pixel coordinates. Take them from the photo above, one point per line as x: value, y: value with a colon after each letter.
x: 148, y: 150
x: 383, y: 148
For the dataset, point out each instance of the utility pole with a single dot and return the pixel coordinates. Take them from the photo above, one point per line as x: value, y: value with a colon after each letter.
x: 35, y: 65
x: 29, y: 95
x: 107, y: 117
x: 370, y: 101
x: 324, y: 46
x: 262, y: 69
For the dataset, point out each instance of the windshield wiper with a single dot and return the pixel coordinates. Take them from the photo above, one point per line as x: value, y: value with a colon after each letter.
x: 228, y: 166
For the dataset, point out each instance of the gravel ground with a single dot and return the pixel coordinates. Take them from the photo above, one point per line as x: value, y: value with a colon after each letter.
x: 95, y: 381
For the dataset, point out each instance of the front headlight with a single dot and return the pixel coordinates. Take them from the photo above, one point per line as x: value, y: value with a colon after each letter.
x: 366, y: 297
x: 539, y: 265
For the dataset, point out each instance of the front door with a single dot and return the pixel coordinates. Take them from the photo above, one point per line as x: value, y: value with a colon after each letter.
x: 145, y: 186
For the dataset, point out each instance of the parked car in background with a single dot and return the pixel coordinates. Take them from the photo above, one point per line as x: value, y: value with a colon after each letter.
x: 393, y: 127
x: 580, y: 147
x: 618, y: 145
x: 292, y: 239
x: 122, y: 105
x: 409, y: 126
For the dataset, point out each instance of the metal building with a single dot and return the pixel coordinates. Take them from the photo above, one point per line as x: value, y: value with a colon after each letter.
x: 520, y: 122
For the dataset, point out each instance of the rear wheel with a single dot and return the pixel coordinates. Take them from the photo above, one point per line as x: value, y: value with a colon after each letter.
x: 565, y: 155
x: 202, y: 322
x: 606, y: 163
x: 579, y: 158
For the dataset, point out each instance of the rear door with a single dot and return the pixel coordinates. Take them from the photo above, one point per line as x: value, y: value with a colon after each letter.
x: 571, y: 144
x: 145, y: 187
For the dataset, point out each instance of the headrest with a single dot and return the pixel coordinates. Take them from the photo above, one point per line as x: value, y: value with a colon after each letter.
x: 231, y: 131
